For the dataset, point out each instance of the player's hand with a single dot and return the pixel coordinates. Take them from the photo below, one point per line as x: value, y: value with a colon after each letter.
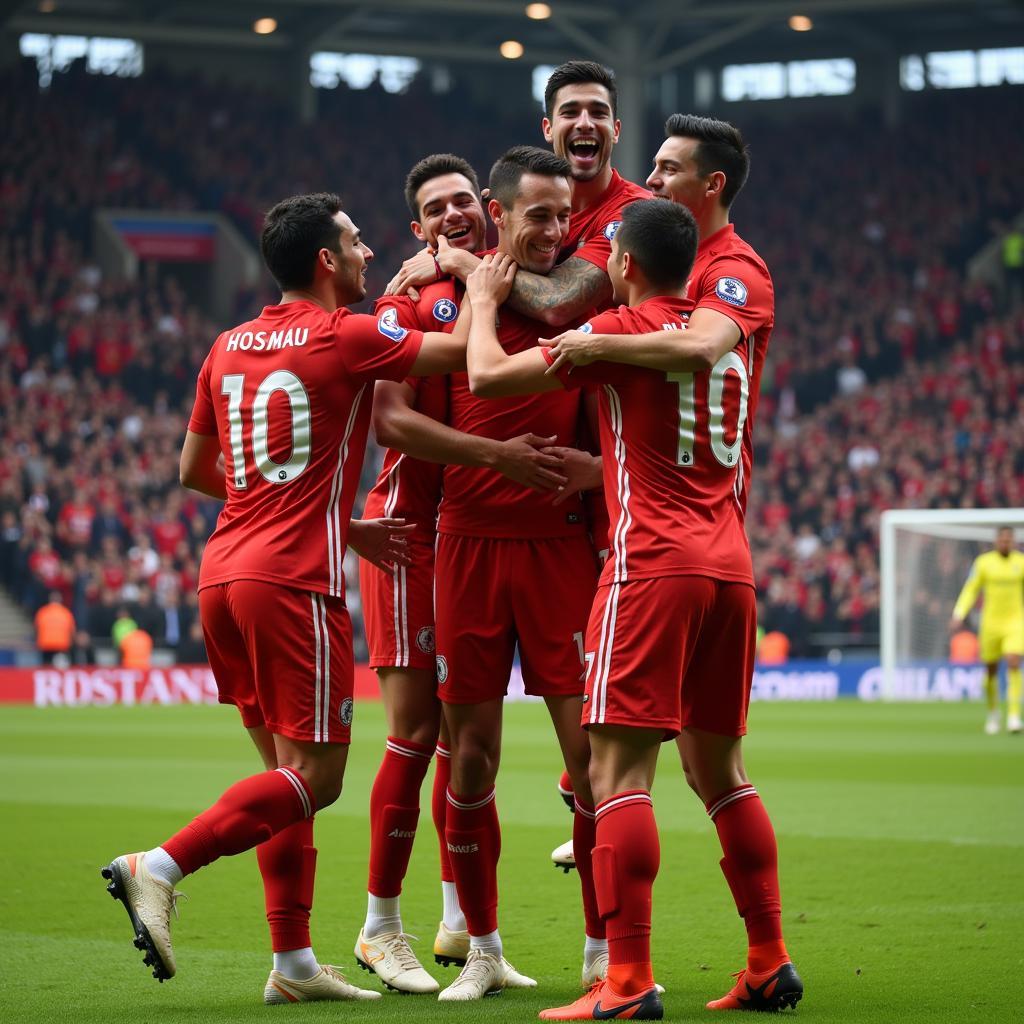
x: 381, y: 542
x: 527, y: 460
x: 453, y: 261
x: 415, y: 272
x: 582, y: 471
x: 577, y: 348
x: 492, y: 279
x: 955, y: 624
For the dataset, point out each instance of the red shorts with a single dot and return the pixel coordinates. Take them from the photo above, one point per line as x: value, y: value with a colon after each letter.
x: 671, y: 652
x: 492, y: 594
x: 398, y: 611
x: 283, y: 657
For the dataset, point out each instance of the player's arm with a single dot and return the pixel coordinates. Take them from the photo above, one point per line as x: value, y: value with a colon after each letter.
x: 569, y: 292
x: 429, y: 265
x: 493, y: 373
x: 968, y: 596
x: 708, y: 336
x: 397, y: 424
x: 441, y: 352
x: 201, y: 468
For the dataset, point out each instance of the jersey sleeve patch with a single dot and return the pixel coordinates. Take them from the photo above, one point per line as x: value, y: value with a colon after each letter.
x: 445, y: 311
x: 610, y: 228
x: 389, y: 326
x: 731, y: 290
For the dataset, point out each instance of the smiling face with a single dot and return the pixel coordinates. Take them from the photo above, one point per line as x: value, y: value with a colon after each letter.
x: 677, y: 177
x: 348, y: 265
x: 583, y: 128
x: 449, y: 206
x: 533, y: 230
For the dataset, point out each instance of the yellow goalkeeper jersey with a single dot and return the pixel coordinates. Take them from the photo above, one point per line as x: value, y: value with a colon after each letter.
x: 1002, y: 581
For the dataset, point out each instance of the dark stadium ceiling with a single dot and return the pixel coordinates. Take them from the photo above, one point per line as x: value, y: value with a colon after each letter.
x: 651, y: 36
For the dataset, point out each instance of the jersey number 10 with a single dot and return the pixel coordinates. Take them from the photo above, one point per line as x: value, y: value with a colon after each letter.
x: 233, y: 385
x: 726, y: 454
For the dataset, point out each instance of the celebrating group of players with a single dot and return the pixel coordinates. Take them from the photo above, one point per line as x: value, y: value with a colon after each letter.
x: 633, y: 610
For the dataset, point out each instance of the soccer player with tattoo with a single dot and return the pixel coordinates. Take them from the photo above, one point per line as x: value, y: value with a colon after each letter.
x: 500, y: 545
x: 670, y: 642
x: 702, y: 165
x: 284, y: 399
x: 443, y: 196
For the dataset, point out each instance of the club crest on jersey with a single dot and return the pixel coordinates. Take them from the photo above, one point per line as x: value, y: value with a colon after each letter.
x: 732, y: 291
x: 425, y: 639
x: 445, y: 310
x: 345, y: 714
x: 610, y: 228
x: 389, y: 326
x: 442, y: 668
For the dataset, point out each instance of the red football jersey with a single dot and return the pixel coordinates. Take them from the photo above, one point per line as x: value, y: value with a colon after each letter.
x: 289, y: 395
x: 671, y: 447
x: 728, y: 276
x: 591, y: 230
x: 409, y: 488
x: 482, y: 502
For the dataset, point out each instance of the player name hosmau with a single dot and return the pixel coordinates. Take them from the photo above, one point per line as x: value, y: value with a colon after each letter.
x: 267, y: 341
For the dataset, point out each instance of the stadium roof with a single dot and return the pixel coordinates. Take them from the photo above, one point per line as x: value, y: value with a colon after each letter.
x: 649, y: 36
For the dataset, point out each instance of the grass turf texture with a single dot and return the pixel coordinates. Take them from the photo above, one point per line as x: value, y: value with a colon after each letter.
x: 901, y: 833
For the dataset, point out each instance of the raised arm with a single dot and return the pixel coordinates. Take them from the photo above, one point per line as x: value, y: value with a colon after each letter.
x: 568, y: 293
x: 708, y: 336
x: 494, y: 373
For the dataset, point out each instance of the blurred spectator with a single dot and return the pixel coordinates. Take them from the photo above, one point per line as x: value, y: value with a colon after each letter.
x: 774, y: 649
x: 123, y: 625
x: 963, y: 648
x: 136, y: 649
x: 55, y: 630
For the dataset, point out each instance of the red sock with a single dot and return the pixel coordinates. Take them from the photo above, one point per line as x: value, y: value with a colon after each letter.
x: 626, y: 860
x: 439, y: 806
x: 584, y: 828
x: 288, y: 866
x: 394, y: 812
x: 565, y: 784
x: 474, y: 845
x: 751, y: 867
x: 247, y: 814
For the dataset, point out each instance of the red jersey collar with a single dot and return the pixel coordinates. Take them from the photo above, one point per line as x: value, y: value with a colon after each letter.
x: 718, y: 237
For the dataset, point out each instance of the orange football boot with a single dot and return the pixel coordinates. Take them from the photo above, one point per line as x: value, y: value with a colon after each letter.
x: 602, y: 1002
x: 772, y: 990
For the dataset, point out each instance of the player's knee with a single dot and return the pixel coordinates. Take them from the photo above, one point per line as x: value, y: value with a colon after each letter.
x: 474, y: 763
x: 326, y: 789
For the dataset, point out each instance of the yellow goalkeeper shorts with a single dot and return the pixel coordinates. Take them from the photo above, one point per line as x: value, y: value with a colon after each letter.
x: 995, y: 642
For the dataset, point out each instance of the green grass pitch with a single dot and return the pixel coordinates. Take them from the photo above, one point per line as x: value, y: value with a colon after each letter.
x: 901, y: 834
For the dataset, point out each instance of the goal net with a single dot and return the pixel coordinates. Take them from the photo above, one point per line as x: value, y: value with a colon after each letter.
x: 925, y: 558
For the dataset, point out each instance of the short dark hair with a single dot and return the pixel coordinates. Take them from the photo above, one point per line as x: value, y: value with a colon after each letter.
x: 577, y: 72
x: 294, y: 231
x: 662, y: 237
x: 721, y: 149
x: 510, y: 167
x: 434, y: 166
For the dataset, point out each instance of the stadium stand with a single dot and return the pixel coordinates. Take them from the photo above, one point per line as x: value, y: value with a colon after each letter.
x: 893, y: 380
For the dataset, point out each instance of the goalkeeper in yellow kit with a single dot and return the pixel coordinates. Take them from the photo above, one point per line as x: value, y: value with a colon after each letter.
x: 999, y: 574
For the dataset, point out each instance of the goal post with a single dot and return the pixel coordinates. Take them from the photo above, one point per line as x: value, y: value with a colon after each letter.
x: 926, y: 555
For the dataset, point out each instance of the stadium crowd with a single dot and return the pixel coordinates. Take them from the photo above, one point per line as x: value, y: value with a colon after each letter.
x: 892, y: 380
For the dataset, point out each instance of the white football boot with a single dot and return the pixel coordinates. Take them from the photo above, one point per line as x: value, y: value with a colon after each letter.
x: 451, y: 947
x: 328, y: 984
x: 149, y: 902
x: 563, y: 857
x: 391, y: 958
